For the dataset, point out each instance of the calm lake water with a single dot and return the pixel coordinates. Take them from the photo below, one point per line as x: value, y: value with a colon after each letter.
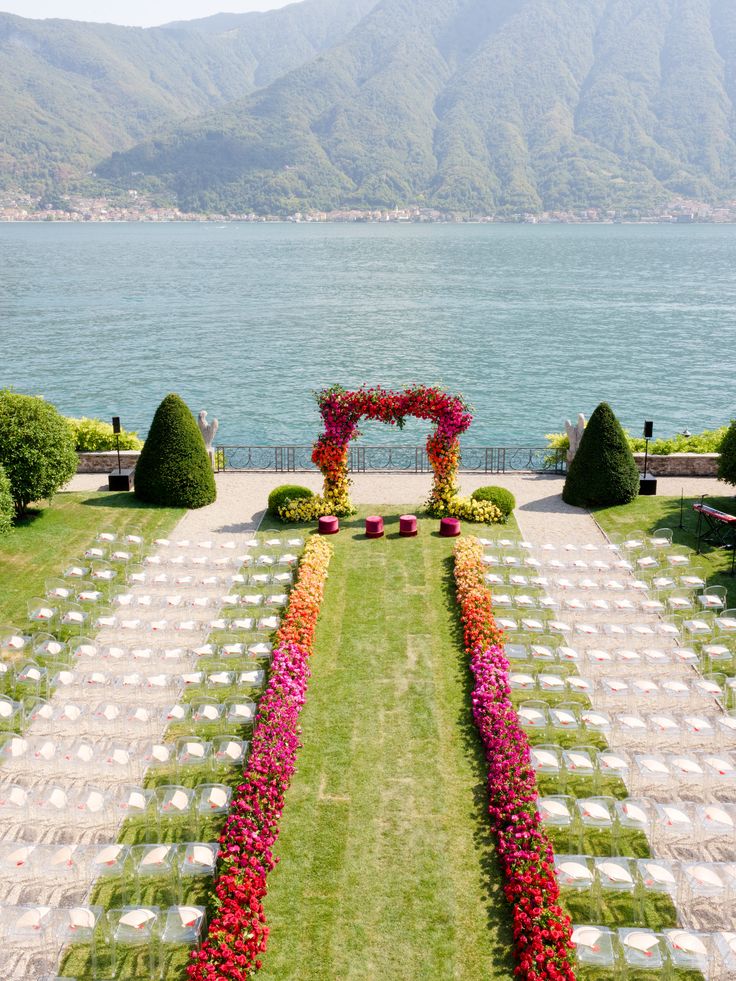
x: 532, y: 324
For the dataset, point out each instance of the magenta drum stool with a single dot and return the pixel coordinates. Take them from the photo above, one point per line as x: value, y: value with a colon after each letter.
x: 407, y: 526
x: 328, y: 525
x: 449, y: 527
x: 374, y: 527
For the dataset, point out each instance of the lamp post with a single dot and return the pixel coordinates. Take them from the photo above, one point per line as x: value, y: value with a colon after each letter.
x: 647, y: 483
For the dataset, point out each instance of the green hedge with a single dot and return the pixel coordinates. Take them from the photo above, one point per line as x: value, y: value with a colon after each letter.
x: 96, y: 436
x: 174, y: 468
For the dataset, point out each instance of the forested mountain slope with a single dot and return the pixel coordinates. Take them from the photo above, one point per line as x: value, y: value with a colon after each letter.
x: 475, y: 105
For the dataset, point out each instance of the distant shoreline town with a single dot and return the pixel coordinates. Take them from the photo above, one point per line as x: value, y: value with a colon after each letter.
x: 25, y: 208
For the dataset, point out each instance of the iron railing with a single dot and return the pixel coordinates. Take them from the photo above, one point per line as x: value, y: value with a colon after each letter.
x: 390, y: 459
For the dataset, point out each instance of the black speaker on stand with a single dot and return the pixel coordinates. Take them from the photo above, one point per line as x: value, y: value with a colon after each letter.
x: 118, y: 480
x: 647, y: 483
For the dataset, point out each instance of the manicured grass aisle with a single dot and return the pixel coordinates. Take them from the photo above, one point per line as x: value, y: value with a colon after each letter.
x: 387, y: 866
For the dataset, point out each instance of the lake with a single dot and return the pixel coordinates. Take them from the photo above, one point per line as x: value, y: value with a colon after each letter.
x: 532, y: 323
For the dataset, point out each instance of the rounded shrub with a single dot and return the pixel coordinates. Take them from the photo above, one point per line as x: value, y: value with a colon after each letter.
x: 502, y: 498
x: 727, y: 462
x: 280, y: 496
x: 7, y: 508
x: 174, y: 468
x: 36, y: 448
x: 603, y: 472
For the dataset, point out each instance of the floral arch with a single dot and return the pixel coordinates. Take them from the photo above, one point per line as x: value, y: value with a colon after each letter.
x: 342, y: 412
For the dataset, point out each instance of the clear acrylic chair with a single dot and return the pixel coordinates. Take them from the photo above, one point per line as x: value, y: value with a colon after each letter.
x: 154, y: 864
x: 642, y: 949
x: 174, y: 810
x: 183, y: 926
x: 558, y: 812
x: 594, y: 946
x: 197, y: 860
x: 688, y: 949
x: 134, y: 927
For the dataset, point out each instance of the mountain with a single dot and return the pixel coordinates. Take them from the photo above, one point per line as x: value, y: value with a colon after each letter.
x: 71, y: 93
x: 478, y: 106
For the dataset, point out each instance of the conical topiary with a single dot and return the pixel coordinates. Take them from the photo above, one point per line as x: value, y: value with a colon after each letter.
x: 174, y: 468
x: 603, y: 471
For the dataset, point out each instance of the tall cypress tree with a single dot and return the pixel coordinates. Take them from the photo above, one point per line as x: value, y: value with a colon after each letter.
x: 603, y: 471
x: 174, y: 468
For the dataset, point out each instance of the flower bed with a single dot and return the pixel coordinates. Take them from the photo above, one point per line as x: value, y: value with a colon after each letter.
x: 341, y: 412
x: 238, y: 933
x: 541, y: 930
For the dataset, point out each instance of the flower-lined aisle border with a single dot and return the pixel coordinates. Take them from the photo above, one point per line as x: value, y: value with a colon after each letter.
x: 238, y: 933
x: 341, y: 413
x: 542, y: 931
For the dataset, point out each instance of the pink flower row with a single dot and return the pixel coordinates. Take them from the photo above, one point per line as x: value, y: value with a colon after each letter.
x: 238, y: 933
x: 541, y: 929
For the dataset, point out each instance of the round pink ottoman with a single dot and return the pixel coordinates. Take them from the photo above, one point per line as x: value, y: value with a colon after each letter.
x: 407, y: 525
x: 328, y: 525
x: 374, y: 527
x: 449, y: 527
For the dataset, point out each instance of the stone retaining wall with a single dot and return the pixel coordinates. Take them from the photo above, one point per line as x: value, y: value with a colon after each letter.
x: 680, y: 464
x: 107, y: 461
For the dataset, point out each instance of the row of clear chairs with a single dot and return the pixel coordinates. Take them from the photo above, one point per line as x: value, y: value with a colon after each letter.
x: 114, y: 750
x: 633, y: 690
x: 87, y: 651
x: 690, y: 885
x: 272, y: 542
x: 627, y: 727
x: 150, y: 929
x: 644, y: 563
x: 550, y: 651
x: 168, y: 807
x: 634, y: 949
x: 713, y: 771
x: 676, y: 821
x: 78, y: 866
x: 136, y: 719
x: 643, y: 630
x: 178, y: 600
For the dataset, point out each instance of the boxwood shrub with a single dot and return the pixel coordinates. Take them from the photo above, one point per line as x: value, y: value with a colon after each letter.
x: 502, y: 498
x: 279, y: 496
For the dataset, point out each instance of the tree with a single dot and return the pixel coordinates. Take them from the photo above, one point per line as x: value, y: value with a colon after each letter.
x: 174, y: 468
x: 727, y: 462
x: 7, y: 507
x: 603, y: 471
x: 36, y: 448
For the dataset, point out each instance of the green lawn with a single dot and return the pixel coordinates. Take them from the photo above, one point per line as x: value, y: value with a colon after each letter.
x: 55, y: 533
x: 387, y: 866
x: 648, y: 513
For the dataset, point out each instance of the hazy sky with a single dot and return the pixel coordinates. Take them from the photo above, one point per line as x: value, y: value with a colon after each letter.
x: 143, y: 13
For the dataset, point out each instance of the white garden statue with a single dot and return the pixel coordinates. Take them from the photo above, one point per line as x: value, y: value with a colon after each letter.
x: 574, y: 434
x: 208, y: 430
